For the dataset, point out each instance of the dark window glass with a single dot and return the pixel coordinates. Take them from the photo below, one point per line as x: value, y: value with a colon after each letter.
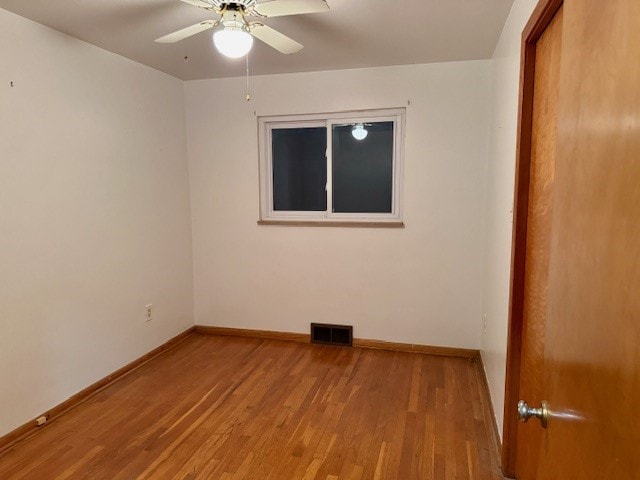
x: 363, y: 169
x: 299, y: 169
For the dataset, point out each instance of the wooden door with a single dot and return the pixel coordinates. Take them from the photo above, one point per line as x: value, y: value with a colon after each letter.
x: 592, y: 350
x: 580, y: 337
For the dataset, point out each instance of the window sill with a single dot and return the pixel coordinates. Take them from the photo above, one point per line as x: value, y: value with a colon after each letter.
x: 329, y: 223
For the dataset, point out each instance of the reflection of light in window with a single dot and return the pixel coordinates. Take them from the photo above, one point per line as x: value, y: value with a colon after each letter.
x: 359, y: 132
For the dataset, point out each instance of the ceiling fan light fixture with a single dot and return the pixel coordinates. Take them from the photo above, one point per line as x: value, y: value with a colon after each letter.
x: 233, y: 42
x: 359, y: 132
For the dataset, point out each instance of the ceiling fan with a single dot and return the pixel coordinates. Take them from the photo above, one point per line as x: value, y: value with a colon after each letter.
x: 235, y: 39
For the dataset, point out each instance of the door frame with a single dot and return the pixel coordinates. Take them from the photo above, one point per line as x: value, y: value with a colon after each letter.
x: 542, y: 15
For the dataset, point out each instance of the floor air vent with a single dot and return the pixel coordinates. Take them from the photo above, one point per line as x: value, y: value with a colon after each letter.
x: 332, y: 334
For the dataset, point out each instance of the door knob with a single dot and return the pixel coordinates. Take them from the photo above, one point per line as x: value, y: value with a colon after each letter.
x: 525, y: 412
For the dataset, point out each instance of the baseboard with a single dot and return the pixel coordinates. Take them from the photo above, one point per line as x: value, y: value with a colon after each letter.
x: 415, y: 348
x: 494, y: 422
x: 357, y: 342
x: 22, y: 432
x: 242, y: 332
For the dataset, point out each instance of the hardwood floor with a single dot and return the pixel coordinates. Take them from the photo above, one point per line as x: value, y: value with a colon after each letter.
x: 230, y: 408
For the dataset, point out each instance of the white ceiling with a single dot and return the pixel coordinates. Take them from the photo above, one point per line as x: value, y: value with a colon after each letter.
x: 355, y: 33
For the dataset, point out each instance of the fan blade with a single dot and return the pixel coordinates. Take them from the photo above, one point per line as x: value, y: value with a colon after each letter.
x: 280, y: 8
x: 198, y: 3
x: 275, y: 39
x: 187, y: 32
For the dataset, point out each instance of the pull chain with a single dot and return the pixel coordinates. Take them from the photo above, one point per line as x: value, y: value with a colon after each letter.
x: 248, y: 90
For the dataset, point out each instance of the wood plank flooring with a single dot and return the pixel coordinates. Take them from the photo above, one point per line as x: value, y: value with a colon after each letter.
x: 230, y: 408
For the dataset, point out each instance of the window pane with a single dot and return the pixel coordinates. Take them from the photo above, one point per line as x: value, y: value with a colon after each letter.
x: 299, y: 169
x: 363, y: 169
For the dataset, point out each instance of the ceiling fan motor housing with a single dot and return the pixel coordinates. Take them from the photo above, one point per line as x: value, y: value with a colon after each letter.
x: 234, y: 20
x: 234, y: 5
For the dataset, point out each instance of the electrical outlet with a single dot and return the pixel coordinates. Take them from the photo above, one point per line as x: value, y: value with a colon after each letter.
x: 148, y: 313
x: 484, y: 323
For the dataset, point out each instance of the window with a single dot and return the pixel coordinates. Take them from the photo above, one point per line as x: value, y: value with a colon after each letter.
x: 335, y: 168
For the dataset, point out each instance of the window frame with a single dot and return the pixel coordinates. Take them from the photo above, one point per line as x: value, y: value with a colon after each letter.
x: 266, y: 124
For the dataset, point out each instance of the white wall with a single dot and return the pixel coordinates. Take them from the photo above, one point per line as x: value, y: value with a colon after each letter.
x: 499, y: 203
x: 420, y: 285
x: 94, y: 215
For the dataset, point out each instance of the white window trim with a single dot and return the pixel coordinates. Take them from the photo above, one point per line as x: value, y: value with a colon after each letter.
x: 267, y: 123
